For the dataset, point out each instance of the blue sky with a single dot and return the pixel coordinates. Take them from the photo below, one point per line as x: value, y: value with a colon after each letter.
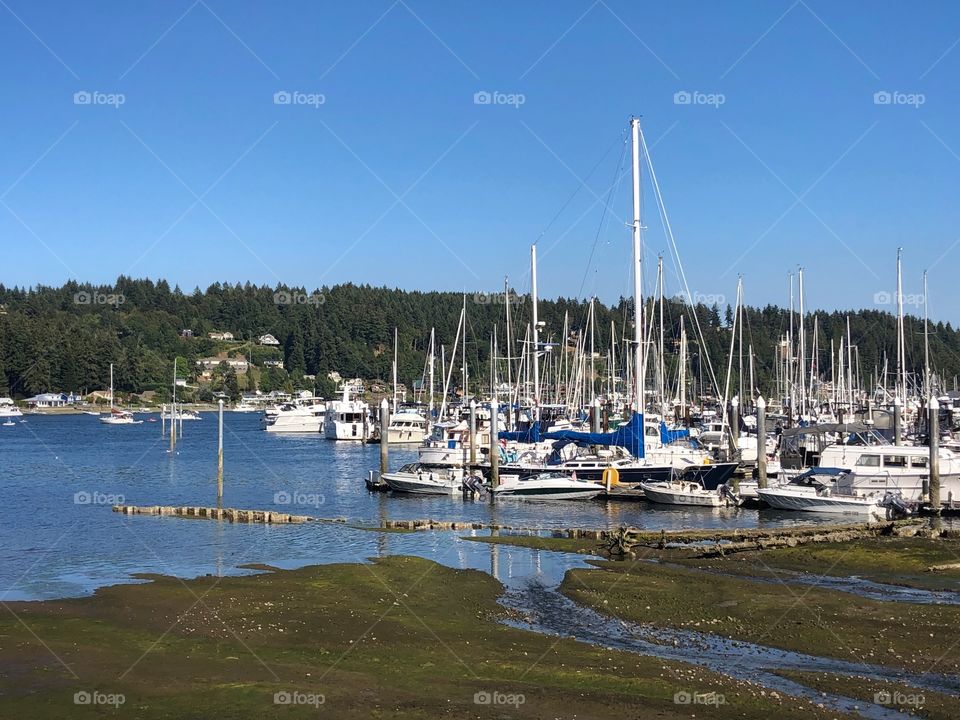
x: 398, y: 177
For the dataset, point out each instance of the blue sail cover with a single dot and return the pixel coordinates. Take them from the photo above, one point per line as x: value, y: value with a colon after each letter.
x: 629, y: 436
x: 668, y: 436
x: 530, y: 435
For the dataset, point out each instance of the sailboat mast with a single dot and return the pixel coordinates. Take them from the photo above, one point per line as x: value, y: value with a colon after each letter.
x: 536, y: 334
x: 395, y: 356
x: 803, y: 350
x: 432, y: 361
x: 926, y: 341
x: 509, y: 341
x: 637, y: 273
x: 901, y: 346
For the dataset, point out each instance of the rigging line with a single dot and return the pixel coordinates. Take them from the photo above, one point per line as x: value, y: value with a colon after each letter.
x: 676, y: 252
x: 579, y: 187
x: 615, y: 186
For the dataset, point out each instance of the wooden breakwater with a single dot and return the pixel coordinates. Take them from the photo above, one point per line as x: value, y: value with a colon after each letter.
x: 210, y: 513
x: 719, y: 543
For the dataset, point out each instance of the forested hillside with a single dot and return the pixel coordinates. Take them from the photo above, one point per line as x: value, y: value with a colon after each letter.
x: 64, y: 339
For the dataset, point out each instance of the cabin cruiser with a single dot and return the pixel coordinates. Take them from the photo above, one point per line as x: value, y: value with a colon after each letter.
x: 119, y: 417
x: 179, y: 413
x: 687, y: 492
x: 546, y: 486
x: 406, y: 426
x: 420, y: 480
x: 876, y: 466
x: 8, y: 409
x: 302, y: 416
x: 825, y: 490
x: 348, y: 419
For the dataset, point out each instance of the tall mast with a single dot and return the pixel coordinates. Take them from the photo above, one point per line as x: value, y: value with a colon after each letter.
x: 466, y: 379
x: 432, y: 356
x: 593, y: 384
x: 536, y: 334
x: 395, y: 356
x: 111, y: 385
x: 637, y: 274
x: 789, y: 359
x: 901, y: 347
x: 803, y: 349
x: 926, y: 341
x: 661, y: 364
x: 509, y: 341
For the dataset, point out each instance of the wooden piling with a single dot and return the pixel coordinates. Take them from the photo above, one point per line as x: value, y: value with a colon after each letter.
x: 934, y: 433
x: 384, y: 437
x: 761, y: 442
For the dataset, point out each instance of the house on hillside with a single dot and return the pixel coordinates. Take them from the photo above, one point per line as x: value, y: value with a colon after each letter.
x: 268, y: 339
x: 209, y: 364
x: 273, y: 363
x: 186, y: 333
x: 220, y: 335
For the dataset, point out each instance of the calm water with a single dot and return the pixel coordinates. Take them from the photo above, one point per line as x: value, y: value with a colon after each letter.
x: 54, y: 544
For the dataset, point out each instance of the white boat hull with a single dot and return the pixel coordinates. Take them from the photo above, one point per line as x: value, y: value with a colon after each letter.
x: 845, y: 505
x: 305, y: 424
x: 421, y: 483
x: 675, y: 495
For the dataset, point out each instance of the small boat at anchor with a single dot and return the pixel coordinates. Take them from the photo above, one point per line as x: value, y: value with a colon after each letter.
x: 418, y: 479
x: 822, y: 490
x: 547, y: 486
x: 688, y: 492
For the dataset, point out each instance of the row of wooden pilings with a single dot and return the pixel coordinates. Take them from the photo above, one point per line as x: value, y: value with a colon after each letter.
x: 228, y: 514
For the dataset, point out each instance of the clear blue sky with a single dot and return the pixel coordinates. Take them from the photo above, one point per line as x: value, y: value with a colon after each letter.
x: 399, y: 178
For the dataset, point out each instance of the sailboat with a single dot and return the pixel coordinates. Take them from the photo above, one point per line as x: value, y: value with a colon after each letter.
x: 116, y: 416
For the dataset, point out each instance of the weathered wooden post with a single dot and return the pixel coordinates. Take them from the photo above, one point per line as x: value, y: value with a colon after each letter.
x: 934, y: 428
x: 761, y: 442
x: 606, y: 416
x: 897, y: 422
x: 734, y: 426
x: 384, y: 437
x: 220, y: 453
x: 494, y: 449
x: 473, y: 433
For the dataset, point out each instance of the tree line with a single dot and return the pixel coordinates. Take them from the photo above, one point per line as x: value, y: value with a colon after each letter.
x: 59, y: 339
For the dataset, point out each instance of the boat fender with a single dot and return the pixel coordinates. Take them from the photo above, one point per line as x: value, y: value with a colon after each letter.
x: 611, y: 477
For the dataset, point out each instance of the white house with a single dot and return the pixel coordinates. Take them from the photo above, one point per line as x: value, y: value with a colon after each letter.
x: 208, y: 365
x: 268, y: 339
x: 220, y: 335
x: 48, y: 400
x: 273, y: 363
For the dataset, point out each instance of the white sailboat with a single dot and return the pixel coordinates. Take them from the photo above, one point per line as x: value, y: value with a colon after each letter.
x: 118, y: 417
